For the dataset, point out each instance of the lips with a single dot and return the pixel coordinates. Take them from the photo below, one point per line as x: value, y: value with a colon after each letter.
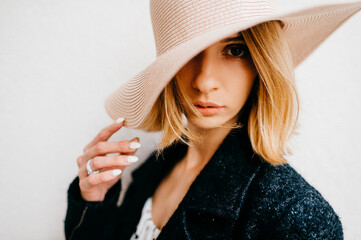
x: 206, y: 104
x: 207, y: 108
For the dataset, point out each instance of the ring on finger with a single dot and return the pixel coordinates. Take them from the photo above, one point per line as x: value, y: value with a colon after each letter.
x: 89, y: 168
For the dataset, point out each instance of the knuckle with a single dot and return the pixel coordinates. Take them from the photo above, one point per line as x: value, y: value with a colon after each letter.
x: 103, y: 133
x: 92, y: 179
x: 121, y: 160
x: 123, y: 144
x: 99, y: 147
x: 103, y: 178
x: 96, y: 163
x: 116, y: 161
x: 79, y: 160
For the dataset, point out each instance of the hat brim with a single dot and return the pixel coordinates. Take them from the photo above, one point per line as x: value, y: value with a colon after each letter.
x: 304, y: 29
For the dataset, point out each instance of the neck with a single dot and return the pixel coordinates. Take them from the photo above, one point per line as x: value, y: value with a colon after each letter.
x: 199, y: 154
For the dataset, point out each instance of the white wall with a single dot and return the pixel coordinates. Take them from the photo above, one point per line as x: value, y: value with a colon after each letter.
x: 60, y: 59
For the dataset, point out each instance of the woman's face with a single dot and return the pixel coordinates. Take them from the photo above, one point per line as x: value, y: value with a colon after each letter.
x: 222, y: 74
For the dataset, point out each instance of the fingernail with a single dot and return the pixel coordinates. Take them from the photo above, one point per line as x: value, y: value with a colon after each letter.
x: 116, y: 172
x: 132, y: 159
x: 134, y: 145
x: 120, y: 120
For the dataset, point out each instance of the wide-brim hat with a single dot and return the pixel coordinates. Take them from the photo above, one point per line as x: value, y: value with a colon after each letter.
x: 184, y: 28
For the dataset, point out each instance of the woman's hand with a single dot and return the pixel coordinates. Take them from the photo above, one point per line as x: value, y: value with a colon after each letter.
x: 94, y: 187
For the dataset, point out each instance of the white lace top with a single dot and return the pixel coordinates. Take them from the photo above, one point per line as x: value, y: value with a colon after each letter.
x: 146, y: 229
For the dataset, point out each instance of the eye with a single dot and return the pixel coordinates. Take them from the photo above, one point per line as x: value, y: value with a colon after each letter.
x: 237, y: 50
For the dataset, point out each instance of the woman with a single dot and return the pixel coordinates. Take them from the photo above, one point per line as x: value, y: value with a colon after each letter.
x: 222, y: 92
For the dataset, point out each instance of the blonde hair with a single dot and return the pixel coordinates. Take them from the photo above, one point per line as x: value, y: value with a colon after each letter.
x: 272, y: 107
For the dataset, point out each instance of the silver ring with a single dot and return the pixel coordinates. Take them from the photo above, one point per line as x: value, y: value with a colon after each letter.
x: 89, y: 168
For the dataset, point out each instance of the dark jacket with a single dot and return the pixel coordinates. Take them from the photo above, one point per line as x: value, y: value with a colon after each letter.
x: 237, y: 195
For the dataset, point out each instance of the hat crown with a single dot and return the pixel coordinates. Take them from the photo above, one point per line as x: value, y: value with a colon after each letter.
x: 176, y: 21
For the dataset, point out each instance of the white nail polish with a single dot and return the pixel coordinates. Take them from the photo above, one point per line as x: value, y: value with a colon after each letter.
x: 134, y: 145
x: 116, y: 172
x: 132, y: 159
x: 120, y: 120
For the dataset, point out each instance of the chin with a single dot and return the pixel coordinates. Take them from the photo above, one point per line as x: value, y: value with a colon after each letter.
x: 213, y: 122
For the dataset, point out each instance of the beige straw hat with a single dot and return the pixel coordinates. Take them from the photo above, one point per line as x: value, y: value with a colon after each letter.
x: 184, y: 28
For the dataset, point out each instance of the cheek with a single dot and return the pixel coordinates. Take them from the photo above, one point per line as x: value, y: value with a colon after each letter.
x: 240, y: 86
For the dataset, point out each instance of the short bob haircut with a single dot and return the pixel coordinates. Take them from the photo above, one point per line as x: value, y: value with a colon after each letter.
x: 271, y: 110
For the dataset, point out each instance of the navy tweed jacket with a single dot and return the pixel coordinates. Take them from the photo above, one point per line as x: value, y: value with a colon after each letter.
x: 237, y: 195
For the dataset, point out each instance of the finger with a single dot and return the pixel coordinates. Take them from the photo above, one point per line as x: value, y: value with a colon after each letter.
x: 83, y: 171
x: 102, y: 148
x: 102, y: 177
x: 106, y: 133
x: 81, y: 160
x: 136, y: 139
x: 118, y: 161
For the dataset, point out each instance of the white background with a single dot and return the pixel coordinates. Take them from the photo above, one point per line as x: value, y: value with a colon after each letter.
x: 60, y: 59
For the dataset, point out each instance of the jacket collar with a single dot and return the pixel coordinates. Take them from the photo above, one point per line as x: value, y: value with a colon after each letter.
x: 221, y: 186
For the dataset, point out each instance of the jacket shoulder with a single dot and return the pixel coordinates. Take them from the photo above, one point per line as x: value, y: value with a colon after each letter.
x: 296, y: 209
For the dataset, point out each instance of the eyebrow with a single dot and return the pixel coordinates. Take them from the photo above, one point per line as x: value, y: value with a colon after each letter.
x: 234, y: 39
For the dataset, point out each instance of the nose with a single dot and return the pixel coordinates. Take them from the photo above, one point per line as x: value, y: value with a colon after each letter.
x: 206, y: 77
